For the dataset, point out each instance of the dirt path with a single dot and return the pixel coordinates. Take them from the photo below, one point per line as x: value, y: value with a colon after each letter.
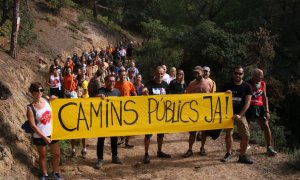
x: 195, y: 167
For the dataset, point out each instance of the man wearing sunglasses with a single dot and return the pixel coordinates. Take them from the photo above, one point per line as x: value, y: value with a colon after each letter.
x: 241, y: 97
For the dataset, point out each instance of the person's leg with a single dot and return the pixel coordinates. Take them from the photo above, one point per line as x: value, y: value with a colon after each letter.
x: 55, y: 152
x: 159, y: 143
x: 114, y: 146
x: 127, y: 144
x: 203, y: 139
x: 243, y: 129
x: 42, y: 151
x: 228, y: 140
x: 264, y: 124
x: 83, y: 150
x: 192, y: 140
x: 100, y: 147
x: 146, y: 159
x: 147, y: 143
x: 73, y: 142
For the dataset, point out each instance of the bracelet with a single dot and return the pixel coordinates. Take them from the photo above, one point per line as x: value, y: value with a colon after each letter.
x: 268, y: 112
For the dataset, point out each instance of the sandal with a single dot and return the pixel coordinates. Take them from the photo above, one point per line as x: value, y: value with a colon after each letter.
x: 202, y: 152
x: 189, y: 153
x: 129, y: 146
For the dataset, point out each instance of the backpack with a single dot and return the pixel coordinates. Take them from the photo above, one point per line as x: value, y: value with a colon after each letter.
x: 26, y: 126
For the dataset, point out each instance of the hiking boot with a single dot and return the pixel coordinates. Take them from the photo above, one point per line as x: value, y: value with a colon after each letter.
x: 57, y: 176
x: 163, y: 155
x: 202, y: 152
x: 227, y: 157
x: 44, y: 177
x: 146, y: 159
x: 189, y: 153
x: 116, y: 160
x: 271, y: 151
x: 244, y: 159
x: 99, y: 163
x: 198, y: 136
x: 129, y: 146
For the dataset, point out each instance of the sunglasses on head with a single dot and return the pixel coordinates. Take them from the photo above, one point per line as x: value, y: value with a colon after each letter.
x: 179, y: 74
x: 238, y: 73
x: 39, y: 90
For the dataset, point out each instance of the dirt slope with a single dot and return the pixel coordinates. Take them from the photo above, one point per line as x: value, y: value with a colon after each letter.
x: 18, y: 157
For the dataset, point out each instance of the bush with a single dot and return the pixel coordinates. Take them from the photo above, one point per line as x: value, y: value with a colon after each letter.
x: 56, y: 5
x: 294, y: 158
x: 257, y: 135
x: 26, y: 35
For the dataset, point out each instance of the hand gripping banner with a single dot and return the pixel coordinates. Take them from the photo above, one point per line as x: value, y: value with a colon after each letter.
x: 136, y: 115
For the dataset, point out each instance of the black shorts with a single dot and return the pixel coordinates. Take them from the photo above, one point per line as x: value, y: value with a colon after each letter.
x: 148, y: 136
x: 255, y: 112
x: 41, y: 142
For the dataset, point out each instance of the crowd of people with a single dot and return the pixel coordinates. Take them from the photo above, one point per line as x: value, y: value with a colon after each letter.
x: 103, y: 74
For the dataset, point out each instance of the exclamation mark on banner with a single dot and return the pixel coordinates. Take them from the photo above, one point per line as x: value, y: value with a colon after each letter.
x: 226, y: 105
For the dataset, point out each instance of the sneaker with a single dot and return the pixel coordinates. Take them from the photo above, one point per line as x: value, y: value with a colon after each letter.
x: 227, y: 157
x: 99, y: 163
x: 163, y: 155
x: 57, y: 176
x: 198, y: 136
x: 244, y: 159
x: 189, y: 153
x: 116, y: 160
x: 271, y: 151
x: 44, y: 177
x: 146, y: 159
x: 129, y: 146
x: 202, y: 152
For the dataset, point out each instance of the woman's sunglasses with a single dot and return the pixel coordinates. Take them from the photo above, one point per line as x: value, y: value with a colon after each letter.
x: 39, y: 90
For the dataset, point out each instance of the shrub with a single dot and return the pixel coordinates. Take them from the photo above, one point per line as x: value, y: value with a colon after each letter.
x: 257, y: 135
x: 294, y: 158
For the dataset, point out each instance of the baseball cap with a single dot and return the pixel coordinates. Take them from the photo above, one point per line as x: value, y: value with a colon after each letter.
x: 206, y: 68
x: 198, y: 68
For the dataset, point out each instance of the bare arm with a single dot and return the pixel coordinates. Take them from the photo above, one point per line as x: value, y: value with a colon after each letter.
x: 245, y: 108
x: 266, y: 103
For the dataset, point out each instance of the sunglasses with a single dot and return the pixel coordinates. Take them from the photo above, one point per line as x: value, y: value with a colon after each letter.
x: 179, y: 74
x: 39, y: 90
x: 237, y: 73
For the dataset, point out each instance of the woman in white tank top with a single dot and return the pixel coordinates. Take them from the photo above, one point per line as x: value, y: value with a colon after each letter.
x: 55, y: 83
x: 40, y: 121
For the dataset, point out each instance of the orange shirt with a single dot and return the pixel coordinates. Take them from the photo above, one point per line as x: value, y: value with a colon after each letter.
x: 125, y: 88
x: 69, y: 83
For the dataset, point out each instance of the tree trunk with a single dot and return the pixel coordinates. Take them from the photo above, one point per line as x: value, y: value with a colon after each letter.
x: 14, y: 32
x: 95, y: 13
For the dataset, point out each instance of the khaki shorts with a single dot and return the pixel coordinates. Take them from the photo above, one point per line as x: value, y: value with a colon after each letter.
x: 242, y: 127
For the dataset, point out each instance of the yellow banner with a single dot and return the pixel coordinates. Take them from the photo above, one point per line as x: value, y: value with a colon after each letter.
x: 136, y: 115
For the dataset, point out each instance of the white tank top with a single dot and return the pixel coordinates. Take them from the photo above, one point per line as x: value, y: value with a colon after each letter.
x: 55, y: 82
x: 44, y: 120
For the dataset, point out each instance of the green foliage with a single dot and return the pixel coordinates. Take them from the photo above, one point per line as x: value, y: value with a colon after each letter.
x: 279, y: 140
x: 5, y: 30
x: 294, y: 158
x: 26, y: 35
x: 56, y: 5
